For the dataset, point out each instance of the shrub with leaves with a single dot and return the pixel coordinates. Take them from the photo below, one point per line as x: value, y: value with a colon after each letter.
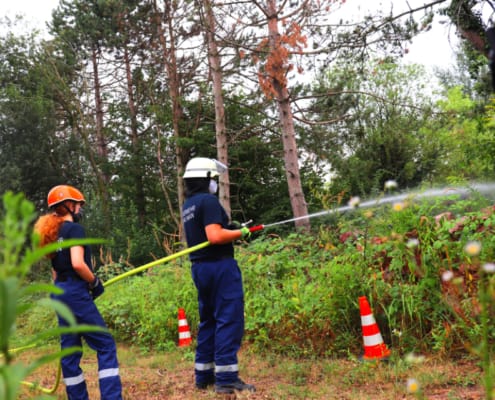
x: 302, y: 290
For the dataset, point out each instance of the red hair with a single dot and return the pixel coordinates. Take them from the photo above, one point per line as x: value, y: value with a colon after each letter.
x: 48, y: 225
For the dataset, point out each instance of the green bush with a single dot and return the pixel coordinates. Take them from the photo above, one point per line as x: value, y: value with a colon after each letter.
x: 143, y: 310
x: 302, y: 291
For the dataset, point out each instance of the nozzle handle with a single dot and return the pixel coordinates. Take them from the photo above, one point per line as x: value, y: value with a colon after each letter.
x: 256, y: 228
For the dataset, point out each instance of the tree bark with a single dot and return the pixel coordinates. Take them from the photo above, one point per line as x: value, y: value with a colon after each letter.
x: 101, y: 148
x: 101, y: 142
x: 296, y: 195
x: 137, y: 173
x: 170, y: 62
x: 220, y: 128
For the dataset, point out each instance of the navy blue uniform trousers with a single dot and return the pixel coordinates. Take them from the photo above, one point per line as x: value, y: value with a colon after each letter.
x: 221, y: 313
x: 76, y: 296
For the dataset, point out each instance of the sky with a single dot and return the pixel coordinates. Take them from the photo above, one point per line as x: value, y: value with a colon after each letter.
x: 433, y: 49
x: 36, y: 11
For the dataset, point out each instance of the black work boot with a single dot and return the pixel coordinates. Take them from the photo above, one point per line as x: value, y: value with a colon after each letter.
x: 205, y: 385
x: 232, y: 387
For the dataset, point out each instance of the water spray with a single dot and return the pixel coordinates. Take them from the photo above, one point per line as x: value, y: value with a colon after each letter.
x: 481, y: 188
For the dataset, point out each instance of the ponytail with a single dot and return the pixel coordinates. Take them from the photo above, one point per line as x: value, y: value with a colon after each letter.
x: 47, y: 226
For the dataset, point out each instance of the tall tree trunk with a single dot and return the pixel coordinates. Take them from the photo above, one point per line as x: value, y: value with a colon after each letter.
x: 136, y: 145
x: 170, y: 62
x: 101, y: 142
x: 296, y: 195
x: 220, y: 129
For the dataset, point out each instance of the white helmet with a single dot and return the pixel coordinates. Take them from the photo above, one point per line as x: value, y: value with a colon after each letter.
x: 201, y: 167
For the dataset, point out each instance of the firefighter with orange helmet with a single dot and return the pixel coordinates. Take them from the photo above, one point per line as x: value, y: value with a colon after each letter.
x: 73, y: 273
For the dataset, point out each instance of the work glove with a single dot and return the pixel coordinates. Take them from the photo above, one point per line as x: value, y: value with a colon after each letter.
x: 234, y: 225
x: 245, y: 232
x: 96, y: 288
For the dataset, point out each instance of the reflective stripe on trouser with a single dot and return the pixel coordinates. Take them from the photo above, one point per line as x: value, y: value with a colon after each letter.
x: 75, y: 387
x: 78, y: 299
x: 204, y: 373
x: 221, y: 327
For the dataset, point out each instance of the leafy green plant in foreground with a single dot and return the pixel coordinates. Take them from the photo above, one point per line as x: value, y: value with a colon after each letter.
x: 16, y: 259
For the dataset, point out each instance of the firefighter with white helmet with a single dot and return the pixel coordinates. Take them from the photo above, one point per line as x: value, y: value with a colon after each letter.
x: 73, y: 273
x: 201, y: 167
x: 217, y: 277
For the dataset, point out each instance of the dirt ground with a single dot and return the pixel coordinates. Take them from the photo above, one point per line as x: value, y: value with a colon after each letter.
x: 170, y: 376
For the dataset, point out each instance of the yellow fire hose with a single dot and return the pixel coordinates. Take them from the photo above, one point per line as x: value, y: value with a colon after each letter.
x: 110, y: 282
x: 157, y: 262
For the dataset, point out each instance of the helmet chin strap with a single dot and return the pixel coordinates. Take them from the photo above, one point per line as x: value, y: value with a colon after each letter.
x: 69, y: 210
x: 75, y: 217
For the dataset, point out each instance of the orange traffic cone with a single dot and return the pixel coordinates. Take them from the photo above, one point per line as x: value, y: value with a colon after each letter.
x: 374, y: 348
x: 184, y: 332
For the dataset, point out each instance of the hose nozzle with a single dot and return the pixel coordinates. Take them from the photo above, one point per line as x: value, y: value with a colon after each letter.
x: 256, y: 228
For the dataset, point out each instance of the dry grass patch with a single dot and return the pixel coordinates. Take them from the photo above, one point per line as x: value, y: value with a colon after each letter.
x: 158, y: 376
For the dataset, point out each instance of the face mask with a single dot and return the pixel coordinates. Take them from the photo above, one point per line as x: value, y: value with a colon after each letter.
x: 213, y: 187
x: 77, y: 217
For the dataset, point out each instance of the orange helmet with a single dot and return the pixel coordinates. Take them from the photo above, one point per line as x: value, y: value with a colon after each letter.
x: 60, y: 193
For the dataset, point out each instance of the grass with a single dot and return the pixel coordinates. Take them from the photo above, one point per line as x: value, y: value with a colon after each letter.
x: 149, y: 375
